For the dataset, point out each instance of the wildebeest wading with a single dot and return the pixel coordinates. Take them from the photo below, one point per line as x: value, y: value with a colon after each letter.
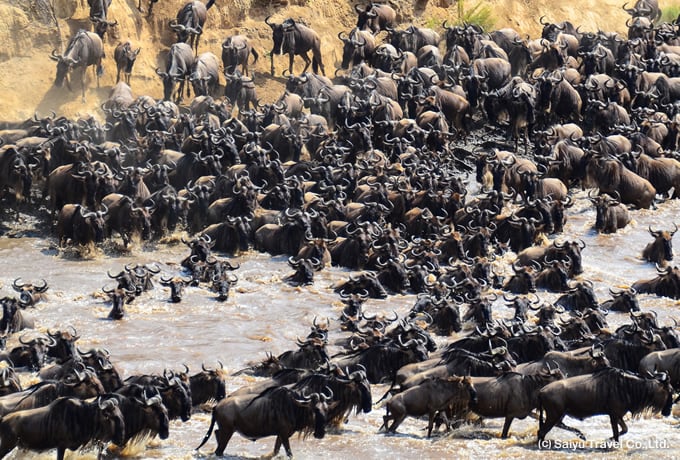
x: 611, y: 391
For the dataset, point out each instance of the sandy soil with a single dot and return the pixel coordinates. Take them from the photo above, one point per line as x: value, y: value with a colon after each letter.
x: 31, y: 29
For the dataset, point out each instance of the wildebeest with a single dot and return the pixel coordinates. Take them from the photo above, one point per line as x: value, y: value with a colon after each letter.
x: 291, y: 38
x: 511, y: 395
x: 188, y: 25
x: 572, y: 363
x: 145, y: 416
x: 79, y: 226
x: 205, y: 75
x: 375, y: 17
x: 98, y: 12
x: 126, y: 218
x: 624, y: 300
x: 666, y: 283
x: 125, y: 58
x: 663, y: 361
x: 14, y: 172
x: 66, y: 423
x: 276, y: 411
x: 235, y: 51
x: 178, y: 66
x: 430, y: 397
x: 83, y: 50
x: 611, y: 215
x: 119, y: 297
x: 612, y: 177
x: 660, y: 251
x: 207, y: 385
x: 13, y: 319
x: 30, y: 293
x: 176, y: 285
x: 610, y: 391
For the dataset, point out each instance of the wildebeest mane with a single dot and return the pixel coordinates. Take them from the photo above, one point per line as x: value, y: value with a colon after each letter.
x: 282, y: 407
x: 469, y: 364
x: 633, y: 392
x: 67, y: 414
x: 345, y: 393
x: 625, y: 354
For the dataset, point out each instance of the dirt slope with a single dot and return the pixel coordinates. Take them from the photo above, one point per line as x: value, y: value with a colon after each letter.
x: 31, y: 29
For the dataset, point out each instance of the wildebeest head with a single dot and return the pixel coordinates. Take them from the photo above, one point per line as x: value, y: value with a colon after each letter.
x: 29, y: 293
x: 92, y: 222
x: 319, y: 403
x: 98, y: 359
x: 304, y: 271
x: 83, y: 382
x: 153, y: 402
x: 118, y: 298
x: 176, y: 285
x: 207, y: 384
x: 279, y: 33
x: 222, y: 284
x: 65, y: 344
x: 110, y: 418
x: 624, y: 300
x: 33, y: 351
x: 11, y: 316
x: 64, y: 65
x: 663, y: 240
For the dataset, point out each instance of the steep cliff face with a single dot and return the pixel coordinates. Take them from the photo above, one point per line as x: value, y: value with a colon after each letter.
x: 31, y: 29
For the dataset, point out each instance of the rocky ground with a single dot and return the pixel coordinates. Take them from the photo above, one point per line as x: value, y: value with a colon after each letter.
x: 31, y: 29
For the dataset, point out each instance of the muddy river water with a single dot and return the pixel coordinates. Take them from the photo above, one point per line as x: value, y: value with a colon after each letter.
x: 264, y: 314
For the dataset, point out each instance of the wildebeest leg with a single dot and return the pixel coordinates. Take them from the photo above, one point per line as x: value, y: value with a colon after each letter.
x: 180, y: 91
x: 506, y: 426
x: 397, y: 421
x: 613, y: 419
x: 440, y: 417
x: 291, y: 58
x: 564, y: 427
x: 7, y: 445
x: 316, y: 60
x: 60, y: 453
x: 82, y: 82
x: 545, y: 427
x: 222, y: 436
x: 307, y: 62
x: 271, y: 56
x: 286, y: 445
x: 617, y: 422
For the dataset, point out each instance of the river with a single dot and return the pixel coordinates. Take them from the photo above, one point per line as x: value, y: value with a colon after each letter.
x: 264, y: 315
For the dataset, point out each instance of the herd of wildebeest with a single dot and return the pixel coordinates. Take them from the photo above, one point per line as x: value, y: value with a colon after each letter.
x: 368, y: 172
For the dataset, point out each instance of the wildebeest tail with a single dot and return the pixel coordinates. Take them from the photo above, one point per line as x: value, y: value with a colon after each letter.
x: 210, y: 429
x: 390, y: 390
x: 315, y: 64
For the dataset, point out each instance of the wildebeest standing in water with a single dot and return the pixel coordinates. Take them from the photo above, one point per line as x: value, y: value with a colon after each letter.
x: 66, y: 423
x: 83, y: 50
x: 611, y: 391
x: 660, y: 250
x: 277, y: 411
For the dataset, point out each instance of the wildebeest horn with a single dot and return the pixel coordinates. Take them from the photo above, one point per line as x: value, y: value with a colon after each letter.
x: 17, y: 287
x: 327, y: 397
x: 56, y: 57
